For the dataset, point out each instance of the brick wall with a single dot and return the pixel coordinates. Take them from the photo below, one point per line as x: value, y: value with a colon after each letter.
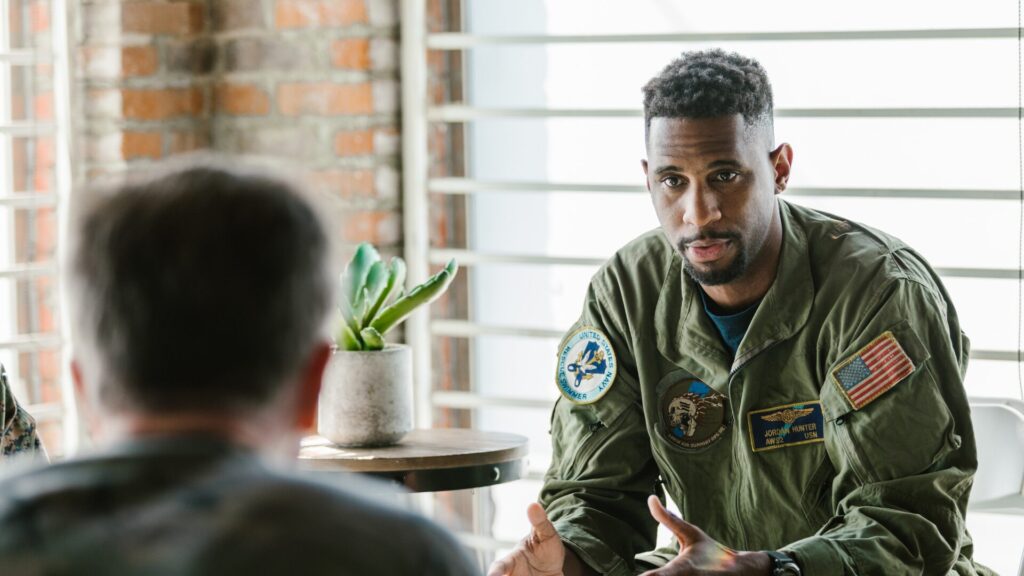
x: 311, y: 81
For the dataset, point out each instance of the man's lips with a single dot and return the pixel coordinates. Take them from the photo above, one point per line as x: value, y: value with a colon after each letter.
x: 702, y: 251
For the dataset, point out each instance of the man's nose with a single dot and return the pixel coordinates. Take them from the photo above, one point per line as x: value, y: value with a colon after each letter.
x: 700, y: 207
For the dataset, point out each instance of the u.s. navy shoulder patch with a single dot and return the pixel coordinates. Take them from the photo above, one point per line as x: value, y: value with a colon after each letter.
x: 693, y: 415
x: 788, y: 425
x: 873, y: 370
x: 586, y: 366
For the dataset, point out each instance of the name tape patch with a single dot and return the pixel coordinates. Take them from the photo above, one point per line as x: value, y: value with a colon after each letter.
x: 784, y: 426
x: 586, y: 366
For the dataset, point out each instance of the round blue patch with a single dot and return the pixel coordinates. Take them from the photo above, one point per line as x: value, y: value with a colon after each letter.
x: 586, y: 366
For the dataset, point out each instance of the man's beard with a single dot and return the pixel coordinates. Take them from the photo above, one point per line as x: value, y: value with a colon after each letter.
x: 714, y: 277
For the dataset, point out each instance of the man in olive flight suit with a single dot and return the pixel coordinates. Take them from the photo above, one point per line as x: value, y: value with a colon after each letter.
x: 792, y: 380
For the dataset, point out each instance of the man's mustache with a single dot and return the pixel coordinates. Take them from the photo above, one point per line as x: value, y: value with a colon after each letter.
x: 705, y: 236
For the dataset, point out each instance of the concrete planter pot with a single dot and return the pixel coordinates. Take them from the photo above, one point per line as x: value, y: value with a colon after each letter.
x: 366, y: 397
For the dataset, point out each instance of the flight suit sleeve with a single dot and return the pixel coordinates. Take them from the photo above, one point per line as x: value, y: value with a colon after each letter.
x: 18, y: 435
x: 602, y: 469
x: 904, y: 461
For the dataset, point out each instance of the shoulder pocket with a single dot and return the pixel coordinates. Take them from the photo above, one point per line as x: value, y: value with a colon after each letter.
x: 902, y: 431
x: 578, y: 430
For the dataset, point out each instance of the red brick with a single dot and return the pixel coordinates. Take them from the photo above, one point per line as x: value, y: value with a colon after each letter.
x: 263, y: 54
x: 176, y: 18
x: 324, y: 99
x: 242, y: 100
x: 196, y: 56
x: 135, y: 145
x: 45, y: 223
x: 19, y: 178
x: 307, y: 13
x: 40, y: 15
x: 44, y: 152
x: 353, y: 143
x: 49, y: 360
x: 139, y: 60
x: 45, y: 161
x: 351, y: 53
x: 380, y: 227
x: 161, y: 104
x: 44, y: 106
x: 184, y: 141
x: 237, y: 15
x: 346, y: 184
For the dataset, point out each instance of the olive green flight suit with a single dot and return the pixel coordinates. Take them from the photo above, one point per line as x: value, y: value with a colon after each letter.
x: 879, y: 489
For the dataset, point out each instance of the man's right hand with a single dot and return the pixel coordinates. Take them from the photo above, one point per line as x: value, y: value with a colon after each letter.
x: 539, y: 554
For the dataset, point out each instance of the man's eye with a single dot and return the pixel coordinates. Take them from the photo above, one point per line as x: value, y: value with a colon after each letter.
x: 672, y: 181
x: 727, y: 176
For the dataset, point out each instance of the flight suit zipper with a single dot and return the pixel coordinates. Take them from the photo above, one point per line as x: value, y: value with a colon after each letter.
x: 737, y: 511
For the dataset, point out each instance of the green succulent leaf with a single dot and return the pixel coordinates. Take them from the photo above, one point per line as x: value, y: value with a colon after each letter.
x: 395, y: 279
x: 348, y: 340
x: 372, y: 338
x: 376, y: 283
x: 420, y: 295
x: 362, y: 305
x: 355, y: 276
x: 346, y: 312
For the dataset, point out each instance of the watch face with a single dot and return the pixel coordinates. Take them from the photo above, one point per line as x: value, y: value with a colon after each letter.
x: 783, y: 565
x: 786, y: 568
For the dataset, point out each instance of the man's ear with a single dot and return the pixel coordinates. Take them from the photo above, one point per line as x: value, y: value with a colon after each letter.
x: 84, y: 399
x: 310, y: 381
x: 782, y: 161
x: 647, y: 183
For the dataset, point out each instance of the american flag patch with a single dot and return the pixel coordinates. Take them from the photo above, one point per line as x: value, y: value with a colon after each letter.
x: 875, y: 369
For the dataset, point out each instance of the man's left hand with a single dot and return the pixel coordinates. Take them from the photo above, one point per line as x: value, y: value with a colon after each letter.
x: 700, y: 555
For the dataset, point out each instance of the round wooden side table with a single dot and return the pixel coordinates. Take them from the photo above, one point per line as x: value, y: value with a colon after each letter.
x: 428, y: 460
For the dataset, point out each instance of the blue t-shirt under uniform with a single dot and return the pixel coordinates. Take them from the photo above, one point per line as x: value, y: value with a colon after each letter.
x: 733, y: 326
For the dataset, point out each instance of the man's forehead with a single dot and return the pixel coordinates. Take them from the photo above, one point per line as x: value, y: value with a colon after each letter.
x: 703, y: 140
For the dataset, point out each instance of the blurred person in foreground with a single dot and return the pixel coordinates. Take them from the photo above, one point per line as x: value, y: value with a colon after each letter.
x: 791, y: 379
x: 200, y: 298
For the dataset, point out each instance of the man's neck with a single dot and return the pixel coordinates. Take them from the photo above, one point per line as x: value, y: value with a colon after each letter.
x: 254, y: 432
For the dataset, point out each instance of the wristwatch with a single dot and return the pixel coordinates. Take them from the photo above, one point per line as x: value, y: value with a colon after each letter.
x: 783, y: 564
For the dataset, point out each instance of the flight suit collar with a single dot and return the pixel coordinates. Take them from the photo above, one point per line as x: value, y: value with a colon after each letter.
x: 688, y: 338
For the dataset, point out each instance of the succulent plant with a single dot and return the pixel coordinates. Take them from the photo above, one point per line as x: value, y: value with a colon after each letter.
x: 373, y: 300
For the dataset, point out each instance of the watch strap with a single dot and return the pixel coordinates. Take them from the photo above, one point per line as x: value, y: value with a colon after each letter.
x: 783, y: 564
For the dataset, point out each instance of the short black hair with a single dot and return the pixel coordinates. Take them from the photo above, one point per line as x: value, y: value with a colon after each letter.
x: 709, y: 84
x: 202, y: 288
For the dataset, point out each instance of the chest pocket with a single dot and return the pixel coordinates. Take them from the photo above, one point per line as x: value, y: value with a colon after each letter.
x: 900, y: 432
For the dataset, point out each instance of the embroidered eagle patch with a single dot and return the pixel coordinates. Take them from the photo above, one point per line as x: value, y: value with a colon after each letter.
x: 872, y: 371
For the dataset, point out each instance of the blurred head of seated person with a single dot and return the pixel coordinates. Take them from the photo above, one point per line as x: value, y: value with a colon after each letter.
x: 199, y: 300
